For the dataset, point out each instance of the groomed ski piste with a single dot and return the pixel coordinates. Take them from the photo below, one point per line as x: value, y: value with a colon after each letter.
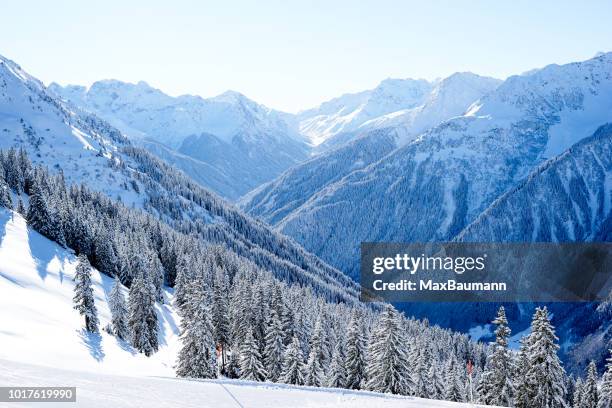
x: 42, y: 343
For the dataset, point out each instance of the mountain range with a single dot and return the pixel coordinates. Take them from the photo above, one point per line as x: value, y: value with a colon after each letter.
x: 464, y: 158
x: 232, y: 144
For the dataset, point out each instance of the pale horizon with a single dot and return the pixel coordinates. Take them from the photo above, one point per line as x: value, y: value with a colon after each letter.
x: 292, y: 58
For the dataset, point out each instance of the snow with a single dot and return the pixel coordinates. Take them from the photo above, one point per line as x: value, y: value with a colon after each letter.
x: 118, y: 391
x: 348, y: 112
x: 576, y: 124
x: 42, y: 343
x: 40, y: 326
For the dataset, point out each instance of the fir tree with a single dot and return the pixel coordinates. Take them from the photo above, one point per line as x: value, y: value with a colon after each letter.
x: 119, y: 312
x: 220, y: 311
x: 313, y: 375
x: 336, y: 378
x: 314, y: 368
x: 435, y: 385
x: 293, y: 364
x: 545, y: 376
x: 184, y: 276
x: 197, y: 357
x: 20, y: 208
x: 14, y: 175
x: 388, y: 368
x: 521, y: 385
x: 251, y: 367
x: 274, y: 348
x: 605, y: 394
x: 142, y: 317
x: 38, y: 216
x: 355, y: 353
x: 590, y: 394
x: 421, y: 359
x: 5, y: 194
x: 452, y: 388
x: 496, y: 386
x: 579, y: 387
x: 83, y: 294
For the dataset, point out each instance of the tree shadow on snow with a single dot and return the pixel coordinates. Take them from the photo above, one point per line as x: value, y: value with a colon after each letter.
x: 93, y: 341
x: 44, y: 253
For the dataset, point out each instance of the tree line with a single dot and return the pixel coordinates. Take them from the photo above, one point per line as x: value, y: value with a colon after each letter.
x: 243, y: 321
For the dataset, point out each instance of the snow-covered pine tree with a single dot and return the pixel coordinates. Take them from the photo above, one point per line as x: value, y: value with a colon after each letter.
x: 336, y: 377
x: 570, y: 387
x: 251, y: 366
x: 293, y: 364
x: 119, y: 312
x: 314, y: 374
x: 14, y: 175
x: 605, y: 393
x: 184, y: 275
x: 496, y: 387
x: 545, y: 375
x: 142, y: 316
x: 521, y: 385
x: 83, y: 294
x: 197, y: 357
x: 38, y: 211
x: 20, y: 208
x: 388, y: 368
x: 355, y: 353
x: 590, y: 394
x: 273, y: 352
x: 105, y: 258
x: 579, y: 387
x: 220, y: 312
x: 452, y: 388
x: 5, y: 194
x: 421, y: 360
x: 435, y: 385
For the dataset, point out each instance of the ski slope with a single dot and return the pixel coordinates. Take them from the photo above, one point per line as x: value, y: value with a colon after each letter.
x: 38, y: 323
x: 42, y: 343
x: 107, y: 390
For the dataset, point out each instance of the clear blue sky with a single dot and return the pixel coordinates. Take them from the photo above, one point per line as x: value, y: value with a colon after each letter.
x: 292, y: 55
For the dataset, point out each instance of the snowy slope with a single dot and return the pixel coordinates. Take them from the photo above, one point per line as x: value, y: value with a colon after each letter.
x: 431, y: 188
x: 121, y: 391
x: 245, y: 143
x: 39, y: 325
x: 42, y: 343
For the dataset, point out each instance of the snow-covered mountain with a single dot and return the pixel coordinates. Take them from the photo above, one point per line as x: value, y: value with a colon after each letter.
x: 375, y: 139
x: 88, y: 150
x: 348, y: 112
x: 434, y: 186
x: 84, y: 147
x: 449, y: 97
x: 244, y: 143
x: 567, y: 198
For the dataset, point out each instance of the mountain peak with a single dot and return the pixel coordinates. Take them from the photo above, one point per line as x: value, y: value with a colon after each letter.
x: 231, y: 96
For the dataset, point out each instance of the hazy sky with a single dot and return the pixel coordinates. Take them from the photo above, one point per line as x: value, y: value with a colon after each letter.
x: 292, y: 55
